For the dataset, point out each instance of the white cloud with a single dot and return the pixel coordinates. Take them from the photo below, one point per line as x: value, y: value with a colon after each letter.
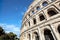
x: 11, y: 28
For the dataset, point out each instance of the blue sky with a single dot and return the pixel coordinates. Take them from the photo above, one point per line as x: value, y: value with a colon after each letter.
x: 11, y: 14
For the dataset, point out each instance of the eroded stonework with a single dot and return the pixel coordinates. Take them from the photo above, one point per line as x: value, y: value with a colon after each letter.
x: 41, y: 21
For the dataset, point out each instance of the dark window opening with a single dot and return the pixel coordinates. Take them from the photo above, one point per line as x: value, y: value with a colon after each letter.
x: 34, y: 20
x: 45, y: 4
x: 29, y: 15
x: 29, y: 23
x: 52, y: 12
x: 48, y: 35
x: 38, y: 8
x: 59, y: 4
x: 41, y: 17
x: 33, y: 12
x: 59, y: 28
x: 29, y: 37
x: 36, y: 36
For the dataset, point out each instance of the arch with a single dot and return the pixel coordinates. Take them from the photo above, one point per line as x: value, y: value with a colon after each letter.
x: 29, y: 15
x: 34, y: 20
x: 41, y: 17
x: 59, y: 4
x: 36, y: 36
x: 29, y: 23
x: 51, y: 12
x: 48, y: 35
x: 38, y: 8
x: 33, y: 12
x: 45, y: 3
x: 58, y: 29
x: 29, y: 36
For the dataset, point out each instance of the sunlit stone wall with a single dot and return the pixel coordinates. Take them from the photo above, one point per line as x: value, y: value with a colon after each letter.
x: 41, y: 21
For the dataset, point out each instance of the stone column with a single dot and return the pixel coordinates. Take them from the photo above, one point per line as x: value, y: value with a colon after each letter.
x: 26, y: 36
x: 39, y: 32
x: 46, y: 15
x: 37, y: 19
x: 31, y: 36
x: 31, y: 22
x: 53, y: 31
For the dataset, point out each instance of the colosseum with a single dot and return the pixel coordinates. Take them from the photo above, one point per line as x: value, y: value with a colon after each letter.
x: 41, y: 21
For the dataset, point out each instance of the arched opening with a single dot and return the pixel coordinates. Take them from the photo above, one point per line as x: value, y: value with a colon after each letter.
x: 38, y: 8
x: 29, y: 15
x: 29, y: 23
x: 59, y: 28
x: 41, y: 17
x: 33, y: 12
x: 59, y: 4
x: 34, y: 20
x: 48, y: 35
x: 29, y: 37
x: 45, y: 3
x: 52, y: 12
x: 36, y: 36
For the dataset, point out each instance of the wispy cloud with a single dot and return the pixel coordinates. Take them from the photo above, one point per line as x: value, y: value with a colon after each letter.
x: 24, y: 10
x: 11, y: 28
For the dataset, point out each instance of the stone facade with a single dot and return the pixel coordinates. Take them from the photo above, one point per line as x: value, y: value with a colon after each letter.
x: 41, y: 21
